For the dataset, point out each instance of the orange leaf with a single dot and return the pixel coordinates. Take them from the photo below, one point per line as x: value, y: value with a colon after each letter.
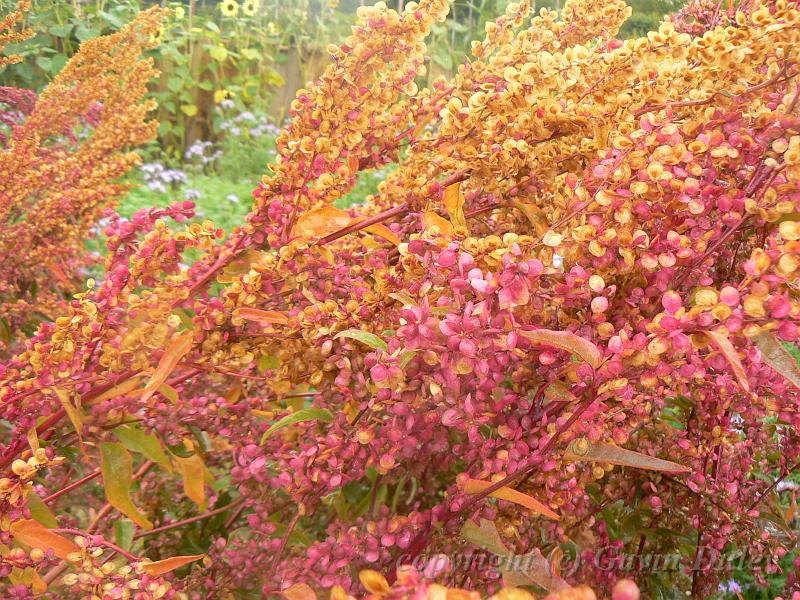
x: 320, y: 222
x: 582, y: 449
x: 723, y: 344
x: 299, y: 591
x: 353, y: 163
x: 264, y: 317
x: 154, y: 569
x: 384, y: 232
x: 56, y: 270
x: 430, y: 219
x: 179, y: 348
x: 566, y: 340
x: 476, y: 486
x: 454, y: 204
x: 34, y: 534
x: 193, y: 471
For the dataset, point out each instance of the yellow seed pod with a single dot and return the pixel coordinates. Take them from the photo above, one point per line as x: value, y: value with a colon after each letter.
x: 373, y: 582
x: 790, y: 230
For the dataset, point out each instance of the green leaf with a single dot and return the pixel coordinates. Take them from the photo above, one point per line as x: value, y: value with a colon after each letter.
x: 305, y: 414
x: 266, y: 361
x: 136, y: 440
x: 180, y: 450
x: 44, y: 62
x: 117, y: 469
x: 406, y: 357
x: 485, y: 536
x: 112, y: 20
x: 57, y: 63
x: 40, y: 512
x: 85, y: 33
x: 123, y: 533
x: 60, y: 30
x: 365, y: 337
x: 174, y: 84
x: 218, y: 53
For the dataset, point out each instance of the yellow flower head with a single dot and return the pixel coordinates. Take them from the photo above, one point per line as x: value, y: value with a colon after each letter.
x: 221, y: 95
x: 229, y: 8
x: 179, y: 12
x: 250, y: 7
x: 157, y: 36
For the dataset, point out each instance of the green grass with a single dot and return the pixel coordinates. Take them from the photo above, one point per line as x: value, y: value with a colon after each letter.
x: 212, y: 204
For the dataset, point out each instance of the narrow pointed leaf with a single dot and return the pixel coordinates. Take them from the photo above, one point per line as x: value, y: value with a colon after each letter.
x: 193, y: 472
x: 778, y: 357
x: 384, y: 232
x: 34, y: 534
x: 365, y: 337
x: 74, y: 413
x: 531, y: 569
x: 40, y: 512
x: 123, y: 533
x: 582, y: 449
x: 178, y: 348
x: 305, y: 414
x: 485, y: 536
x: 454, y: 204
x: 723, y: 344
x: 566, y: 340
x: 476, y: 486
x: 154, y: 569
x: 136, y: 440
x: 117, y: 470
x: 263, y: 317
x: 121, y: 389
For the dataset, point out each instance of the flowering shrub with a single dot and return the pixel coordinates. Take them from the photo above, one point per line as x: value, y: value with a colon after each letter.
x: 554, y: 338
x: 61, y: 156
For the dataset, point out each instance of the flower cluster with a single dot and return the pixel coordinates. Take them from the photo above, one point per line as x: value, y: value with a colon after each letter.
x: 558, y: 331
x: 61, y: 157
x: 8, y: 34
x: 159, y: 178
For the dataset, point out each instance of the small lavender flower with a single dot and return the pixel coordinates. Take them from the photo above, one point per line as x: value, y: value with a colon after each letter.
x: 232, y: 198
x: 192, y: 194
x: 731, y: 586
x: 227, y: 104
x: 245, y: 116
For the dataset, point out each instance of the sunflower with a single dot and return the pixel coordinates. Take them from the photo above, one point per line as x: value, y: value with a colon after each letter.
x: 157, y: 36
x: 250, y: 7
x: 229, y: 8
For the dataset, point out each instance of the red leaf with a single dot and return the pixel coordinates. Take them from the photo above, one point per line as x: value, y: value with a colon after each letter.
x: 723, y: 344
x: 566, y: 340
